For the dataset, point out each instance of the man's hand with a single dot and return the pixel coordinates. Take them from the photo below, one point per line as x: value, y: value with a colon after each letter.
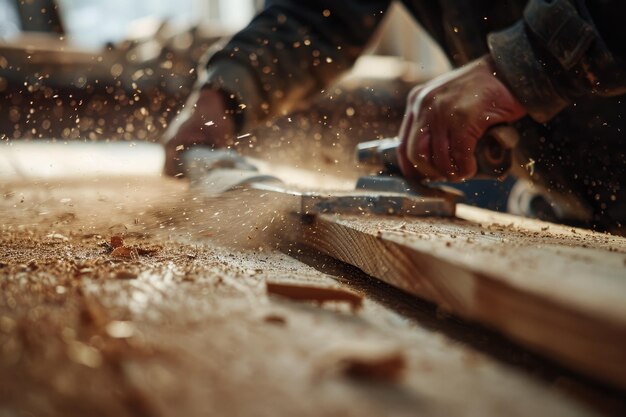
x: 445, y: 117
x: 205, y: 123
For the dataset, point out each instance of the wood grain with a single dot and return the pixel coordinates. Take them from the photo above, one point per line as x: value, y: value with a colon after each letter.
x: 557, y: 290
x: 205, y: 335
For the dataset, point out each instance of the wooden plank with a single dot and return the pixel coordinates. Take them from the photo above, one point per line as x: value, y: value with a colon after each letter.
x: 202, y: 315
x: 558, y: 290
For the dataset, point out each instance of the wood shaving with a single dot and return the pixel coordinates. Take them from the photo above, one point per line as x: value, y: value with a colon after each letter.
x: 125, y: 275
x: 125, y: 252
x: 317, y: 294
x: 117, y: 241
x: 366, y: 361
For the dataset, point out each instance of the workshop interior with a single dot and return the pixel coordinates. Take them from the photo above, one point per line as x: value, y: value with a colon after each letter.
x: 307, y: 264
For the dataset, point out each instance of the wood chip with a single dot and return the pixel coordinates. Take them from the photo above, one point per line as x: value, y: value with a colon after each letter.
x: 120, y: 329
x: 305, y: 292
x: 57, y: 236
x: 367, y: 361
x: 106, y: 245
x: 384, y: 368
x: 125, y: 275
x: 147, y: 250
x: 124, y: 252
x: 117, y: 241
x: 275, y: 319
x: 84, y: 354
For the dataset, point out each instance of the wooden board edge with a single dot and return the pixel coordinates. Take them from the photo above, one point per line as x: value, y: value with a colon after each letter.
x: 574, y: 338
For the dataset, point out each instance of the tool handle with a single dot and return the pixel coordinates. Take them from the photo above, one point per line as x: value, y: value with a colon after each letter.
x: 493, y: 153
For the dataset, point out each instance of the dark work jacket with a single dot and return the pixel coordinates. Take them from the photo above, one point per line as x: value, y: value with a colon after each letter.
x: 553, y: 55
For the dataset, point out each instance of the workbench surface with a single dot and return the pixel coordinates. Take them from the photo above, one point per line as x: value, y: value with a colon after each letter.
x: 175, y: 324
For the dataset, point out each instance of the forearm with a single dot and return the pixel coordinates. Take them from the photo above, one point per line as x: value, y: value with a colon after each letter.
x: 290, y: 51
x: 557, y: 54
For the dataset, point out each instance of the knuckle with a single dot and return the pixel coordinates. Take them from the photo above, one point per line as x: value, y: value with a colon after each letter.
x: 413, y: 94
x: 460, y: 119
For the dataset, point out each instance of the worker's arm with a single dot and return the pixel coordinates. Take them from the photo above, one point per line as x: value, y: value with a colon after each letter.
x: 562, y: 51
x: 290, y: 51
x: 559, y: 52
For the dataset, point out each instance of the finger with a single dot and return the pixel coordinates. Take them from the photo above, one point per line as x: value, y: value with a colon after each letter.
x: 406, y: 166
x: 464, y: 157
x: 409, y: 112
x: 414, y: 151
x: 441, y: 149
x: 419, y: 153
x: 405, y: 127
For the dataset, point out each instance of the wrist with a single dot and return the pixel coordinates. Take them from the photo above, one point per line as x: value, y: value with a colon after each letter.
x: 227, y: 103
x: 211, y: 101
x: 516, y: 108
x: 213, y: 107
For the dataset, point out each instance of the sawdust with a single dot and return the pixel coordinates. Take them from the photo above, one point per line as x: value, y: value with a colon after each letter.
x: 241, y: 219
x: 125, y: 252
x: 84, y: 330
x: 194, y: 330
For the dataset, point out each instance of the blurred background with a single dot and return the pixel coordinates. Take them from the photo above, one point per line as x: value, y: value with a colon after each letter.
x: 95, y: 22
x: 113, y: 69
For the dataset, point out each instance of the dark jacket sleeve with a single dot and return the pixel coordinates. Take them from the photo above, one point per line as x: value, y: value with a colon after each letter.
x: 561, y: 51
x: 290, y: 51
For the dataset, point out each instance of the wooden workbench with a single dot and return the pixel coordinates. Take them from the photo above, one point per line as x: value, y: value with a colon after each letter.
x: 182, y: 326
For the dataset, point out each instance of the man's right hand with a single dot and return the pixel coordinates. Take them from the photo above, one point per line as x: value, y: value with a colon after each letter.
x: 446, y: 117
x: 204, y: 123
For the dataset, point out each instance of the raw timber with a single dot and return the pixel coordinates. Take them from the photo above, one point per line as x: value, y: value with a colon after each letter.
x: 555, y: 289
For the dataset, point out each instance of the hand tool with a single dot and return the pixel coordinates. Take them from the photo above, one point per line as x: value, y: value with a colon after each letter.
x: 215, y: 173
x: 493, y: 157
x: 493, y: 153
